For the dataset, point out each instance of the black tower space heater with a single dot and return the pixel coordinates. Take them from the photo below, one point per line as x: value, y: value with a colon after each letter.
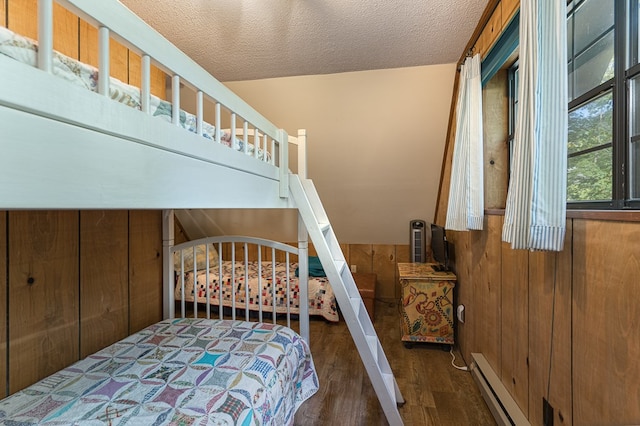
x: 418, y: 237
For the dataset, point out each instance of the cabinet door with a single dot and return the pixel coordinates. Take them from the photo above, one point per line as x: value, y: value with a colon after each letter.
x: 43, y: 294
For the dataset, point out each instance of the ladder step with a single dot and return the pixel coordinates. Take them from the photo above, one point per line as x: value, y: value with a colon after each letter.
x: 324, y: 227
x: 373, y: 345
x: 389, y: 381
x: 340, y: 266
x: 355, y: 303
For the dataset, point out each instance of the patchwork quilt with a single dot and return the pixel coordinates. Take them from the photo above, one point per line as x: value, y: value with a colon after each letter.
x: 322, y: 300
x: 25, y: 50
x: 180, y: 371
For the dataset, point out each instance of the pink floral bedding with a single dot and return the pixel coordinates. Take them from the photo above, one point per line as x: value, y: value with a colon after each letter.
x: 321, y: 298
x: 177, y: 372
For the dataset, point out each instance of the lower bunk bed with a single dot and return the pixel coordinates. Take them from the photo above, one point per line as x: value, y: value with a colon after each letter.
x: 189, y: 369
x: 178, y: 371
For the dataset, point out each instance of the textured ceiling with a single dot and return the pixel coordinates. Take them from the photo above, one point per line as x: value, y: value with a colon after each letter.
x: 254, y: 39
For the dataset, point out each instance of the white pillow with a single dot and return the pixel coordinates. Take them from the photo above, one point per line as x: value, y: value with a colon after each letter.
x: 201, y: 257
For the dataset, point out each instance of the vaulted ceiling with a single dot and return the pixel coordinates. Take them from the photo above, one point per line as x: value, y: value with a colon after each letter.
x: 255, y: 39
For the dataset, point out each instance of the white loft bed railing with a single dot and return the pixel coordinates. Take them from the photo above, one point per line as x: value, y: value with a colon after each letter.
x: 37, y: 108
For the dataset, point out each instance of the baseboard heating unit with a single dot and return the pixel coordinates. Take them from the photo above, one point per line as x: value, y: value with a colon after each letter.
x: 502, y: 406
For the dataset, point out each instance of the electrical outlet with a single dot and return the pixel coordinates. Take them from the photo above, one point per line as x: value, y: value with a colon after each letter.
x: 460, y: 313
x: 354, y: 269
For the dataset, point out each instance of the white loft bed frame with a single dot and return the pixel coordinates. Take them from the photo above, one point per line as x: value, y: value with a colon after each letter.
x: 95, y: 141
x: 94, y: 153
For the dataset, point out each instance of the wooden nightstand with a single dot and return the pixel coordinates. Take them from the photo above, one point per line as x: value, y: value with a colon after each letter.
x: 426, y: 304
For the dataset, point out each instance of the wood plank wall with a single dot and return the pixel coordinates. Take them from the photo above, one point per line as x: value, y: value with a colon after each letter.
x: 568, y: 325
x: 77, y: 280
x: 560, y: 326
x: 3, y: 301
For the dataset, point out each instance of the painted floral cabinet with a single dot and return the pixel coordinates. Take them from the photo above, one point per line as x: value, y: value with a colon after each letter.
x: 427, y: 304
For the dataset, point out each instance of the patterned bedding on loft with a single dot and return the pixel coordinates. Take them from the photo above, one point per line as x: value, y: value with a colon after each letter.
x: 25, y: 50
x: 180, y: 371
x: 322, y: 300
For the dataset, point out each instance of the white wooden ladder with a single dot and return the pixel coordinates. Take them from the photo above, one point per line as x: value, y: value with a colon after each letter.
x: 348, y: 297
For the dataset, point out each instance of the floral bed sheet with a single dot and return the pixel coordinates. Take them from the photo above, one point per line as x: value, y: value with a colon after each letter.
x: 322, y: 300
x: 180, y: 371
x: 25, y: 50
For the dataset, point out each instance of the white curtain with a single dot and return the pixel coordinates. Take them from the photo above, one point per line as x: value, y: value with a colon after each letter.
x: 466, y: 194
x: 535, y: 215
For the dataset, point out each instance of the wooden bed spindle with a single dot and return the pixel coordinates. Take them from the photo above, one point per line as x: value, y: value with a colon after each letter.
x: 199, y: 111
x: 45, y: 35
x: 145, y: 87
x: 175, y: 100
x: 103, y: 61
x: 245, y: 137
x: 218, y: 121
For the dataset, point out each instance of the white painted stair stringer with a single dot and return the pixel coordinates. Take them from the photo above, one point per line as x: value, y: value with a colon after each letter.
x: 348, y: 297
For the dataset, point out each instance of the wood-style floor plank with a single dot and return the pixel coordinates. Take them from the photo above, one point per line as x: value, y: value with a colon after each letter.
x: 435, y: 392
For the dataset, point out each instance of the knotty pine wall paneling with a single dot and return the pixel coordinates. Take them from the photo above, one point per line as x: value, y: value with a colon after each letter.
x: 403, y: 255
x: 118, y: 54
x: 43, y: 294
x: 22, y: 18
x: 3, y: 13
x: 514, y: 322
x: 509, y: 9
x: 546, y: 270
x: 490, y: 33
x: 606, y: 322
x: 361, y: 255
x: 158, y: 77
x: 3, y: 299
x: 486, y: 280
x: 464, y: 292
x: 145, y: 268
x: 385, y: 266
x: 104, y: 312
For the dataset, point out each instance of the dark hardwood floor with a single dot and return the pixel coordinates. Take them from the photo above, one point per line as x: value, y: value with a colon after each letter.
x: 435, y: 392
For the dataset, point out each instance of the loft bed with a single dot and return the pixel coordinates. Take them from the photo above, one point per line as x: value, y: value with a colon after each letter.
x: 107, y: 154
x: 75, y: 139
x: 66, y: 147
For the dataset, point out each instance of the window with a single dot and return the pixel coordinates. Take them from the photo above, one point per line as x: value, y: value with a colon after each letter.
x: 603, y: 51
x: 591, y: 67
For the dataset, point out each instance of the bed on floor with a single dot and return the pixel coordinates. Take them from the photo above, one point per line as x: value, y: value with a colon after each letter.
x: 253, y: 284
x: 178, y: 371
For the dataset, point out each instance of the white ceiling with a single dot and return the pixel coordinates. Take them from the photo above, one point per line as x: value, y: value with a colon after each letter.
x: 254, y: 39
